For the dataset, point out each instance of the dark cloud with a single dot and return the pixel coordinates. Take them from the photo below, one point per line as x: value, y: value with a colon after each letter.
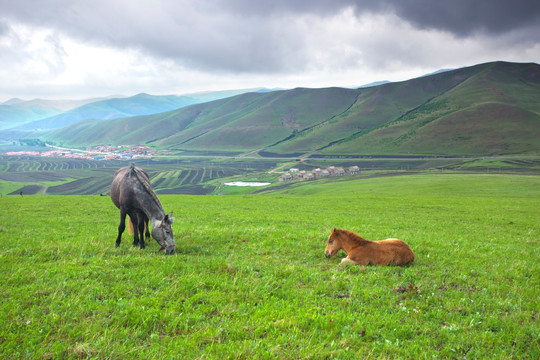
x: 461, y: 17
x: 465, y: 17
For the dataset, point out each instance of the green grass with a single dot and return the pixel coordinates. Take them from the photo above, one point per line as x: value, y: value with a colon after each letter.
x: 250, y: 280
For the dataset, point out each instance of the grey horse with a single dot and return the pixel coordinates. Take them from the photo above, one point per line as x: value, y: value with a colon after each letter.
x: 132, y: 193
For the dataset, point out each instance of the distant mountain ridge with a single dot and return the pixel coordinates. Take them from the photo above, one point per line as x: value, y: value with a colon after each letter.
x: 140, y: 104
x: 15, y: 112
x: 23, y: 116
x: 12, y: 101
x: 486, y: 109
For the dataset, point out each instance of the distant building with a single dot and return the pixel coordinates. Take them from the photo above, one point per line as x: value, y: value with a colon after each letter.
x: 286, y: 177
x: 332, y: 170
x: 318, y: 173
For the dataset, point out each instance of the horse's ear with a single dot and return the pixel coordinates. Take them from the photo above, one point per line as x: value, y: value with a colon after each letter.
x: 169, y: 218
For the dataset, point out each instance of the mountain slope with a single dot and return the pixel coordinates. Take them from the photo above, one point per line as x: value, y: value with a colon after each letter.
x: 233, y: 124
x: 494, y: 110
x: 485, y: 109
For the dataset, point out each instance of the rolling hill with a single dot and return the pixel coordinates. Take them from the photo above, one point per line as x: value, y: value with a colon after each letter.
x: 486, y: 109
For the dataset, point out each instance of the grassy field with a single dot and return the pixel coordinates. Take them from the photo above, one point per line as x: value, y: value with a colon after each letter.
x: 250, y: 280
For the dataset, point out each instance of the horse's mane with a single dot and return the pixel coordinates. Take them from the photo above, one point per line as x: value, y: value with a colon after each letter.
x: 145, y: 183
x: 354, y: 237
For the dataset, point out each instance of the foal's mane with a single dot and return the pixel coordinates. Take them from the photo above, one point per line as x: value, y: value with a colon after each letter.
x: 353, y: 237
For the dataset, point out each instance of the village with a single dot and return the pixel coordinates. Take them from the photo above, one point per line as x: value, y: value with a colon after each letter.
x: 303, y: 175
x: 120, y: 152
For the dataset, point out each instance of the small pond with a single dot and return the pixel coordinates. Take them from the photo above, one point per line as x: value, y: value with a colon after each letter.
x: 245, y: 183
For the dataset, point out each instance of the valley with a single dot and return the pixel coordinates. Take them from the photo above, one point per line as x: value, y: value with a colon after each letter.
x: 484, y: 118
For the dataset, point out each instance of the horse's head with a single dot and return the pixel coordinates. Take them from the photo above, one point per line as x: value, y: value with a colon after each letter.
x: 334, y: 244
x: 162, y: 232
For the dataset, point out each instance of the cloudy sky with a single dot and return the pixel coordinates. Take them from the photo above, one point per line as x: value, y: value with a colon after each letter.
x: 67, y: 49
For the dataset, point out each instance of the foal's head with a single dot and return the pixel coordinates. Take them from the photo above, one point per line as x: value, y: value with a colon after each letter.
x: 334, y: 243
x: 163, y: 234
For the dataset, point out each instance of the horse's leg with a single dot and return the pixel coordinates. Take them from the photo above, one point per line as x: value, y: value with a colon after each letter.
x: 140, y: 229
x: 146, y: 229
x: 121, y: 227
x: 135, y: 222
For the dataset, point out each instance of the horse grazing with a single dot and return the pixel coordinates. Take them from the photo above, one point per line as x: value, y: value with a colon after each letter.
x: 132, y: 193
x: 365, y: 252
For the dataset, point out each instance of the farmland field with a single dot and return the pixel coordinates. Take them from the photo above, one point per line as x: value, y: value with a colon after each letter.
x: 205, y: 175
x: 250, y: 280
x: 60, y: 176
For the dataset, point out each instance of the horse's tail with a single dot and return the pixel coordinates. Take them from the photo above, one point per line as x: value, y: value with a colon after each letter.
x: 130, y: 226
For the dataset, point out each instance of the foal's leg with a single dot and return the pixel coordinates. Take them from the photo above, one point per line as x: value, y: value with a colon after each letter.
x: 348, y: 260
x: 121, y: 227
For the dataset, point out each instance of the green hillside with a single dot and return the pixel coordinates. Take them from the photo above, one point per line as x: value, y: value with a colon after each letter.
x: 492, y: 109
x: 486, y: 109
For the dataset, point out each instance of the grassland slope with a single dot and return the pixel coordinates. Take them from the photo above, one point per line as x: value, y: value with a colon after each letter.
x: 492, y: 109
